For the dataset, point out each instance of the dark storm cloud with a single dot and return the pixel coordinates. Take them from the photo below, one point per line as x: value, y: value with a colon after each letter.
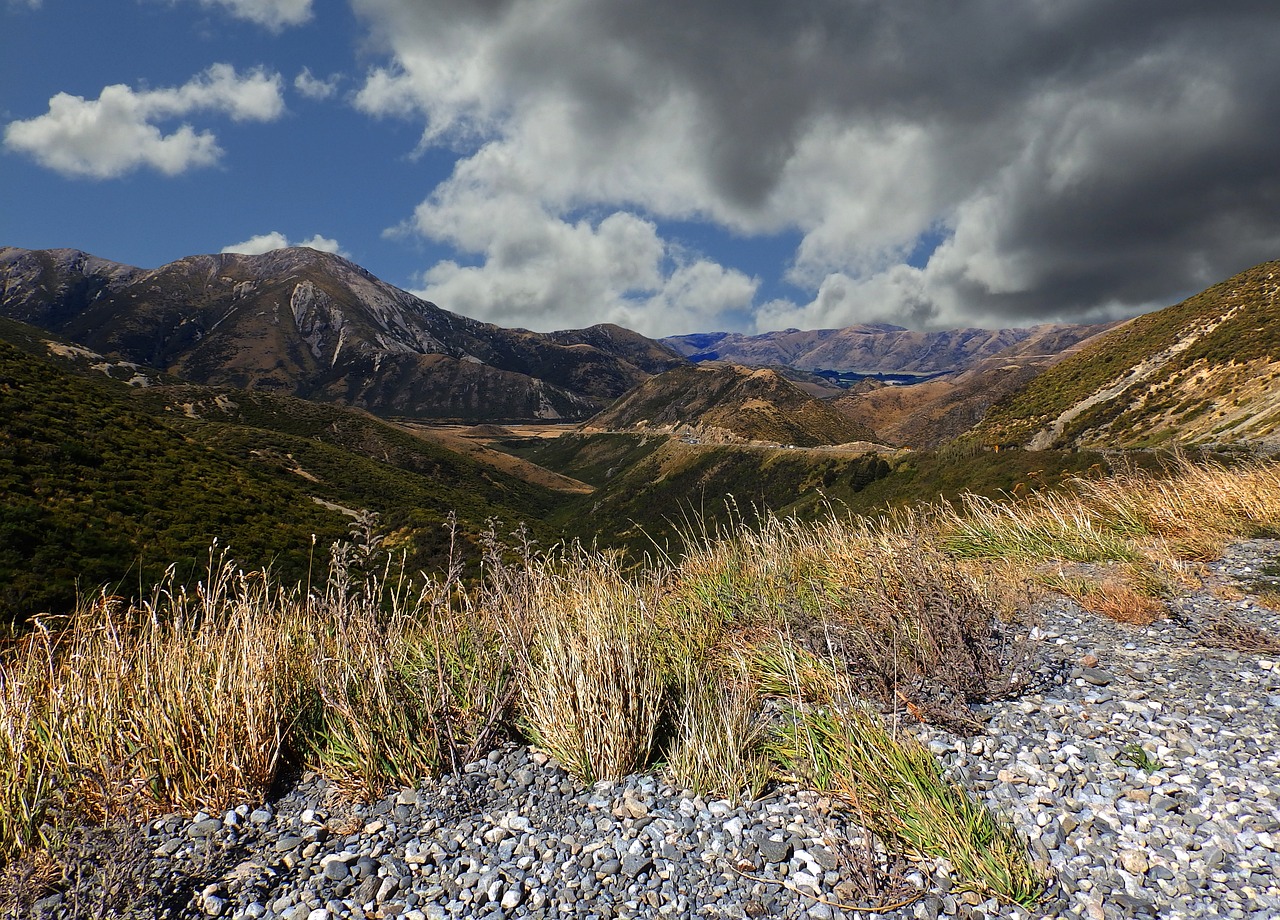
x: 1083, y: 156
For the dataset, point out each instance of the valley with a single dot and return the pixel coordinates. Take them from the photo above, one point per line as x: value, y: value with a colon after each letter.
x: 300, y: 374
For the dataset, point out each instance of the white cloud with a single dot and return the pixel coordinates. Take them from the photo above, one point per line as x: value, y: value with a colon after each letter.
x: 1072, y: 158
x: 119, y: 131
x: 542, y: 271
x: 274, y: 14
x: 313, y: 87
x: 266, y: 242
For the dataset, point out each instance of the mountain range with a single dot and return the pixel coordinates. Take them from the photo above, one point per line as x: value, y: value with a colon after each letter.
x: 314, y: 325
x: 875, y: 348
x: 266, y: 400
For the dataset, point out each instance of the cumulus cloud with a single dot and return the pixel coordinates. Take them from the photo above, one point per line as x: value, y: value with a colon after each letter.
x: 273, y: 14
x: 1070, y: 160
x: 542, y: 271
x: 119, y: 131
x: 266, y: 242
x: 313, y: 87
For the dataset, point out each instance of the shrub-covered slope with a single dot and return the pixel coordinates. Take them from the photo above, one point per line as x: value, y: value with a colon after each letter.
x: 1204, y: 371
x: 101, y: 484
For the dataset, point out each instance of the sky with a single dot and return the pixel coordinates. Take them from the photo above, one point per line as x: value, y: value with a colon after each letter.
x: 673, y: 166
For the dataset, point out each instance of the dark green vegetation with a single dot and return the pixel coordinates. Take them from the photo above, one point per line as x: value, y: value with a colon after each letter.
x: 105, y: 485
x: 651, y: 489
x: 1249, y: 332
x: 97, y: 492
x: 592, y: 458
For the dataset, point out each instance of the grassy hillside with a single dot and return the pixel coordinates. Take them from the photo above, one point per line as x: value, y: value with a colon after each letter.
x: 98, y: 492
x: 1186, y: 373
x: 107, y: 485
x: 650, y: 488
x: 727, y: 401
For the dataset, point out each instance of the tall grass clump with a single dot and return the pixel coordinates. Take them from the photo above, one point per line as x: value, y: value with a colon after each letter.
x: 881, y: 594
x: 407, y: 684
x: 1194, y: 508
x: 586, y: 641
x: 719, y: 740
x: 829, y: 739
x: 1042, y: 526
x: 184, y: 702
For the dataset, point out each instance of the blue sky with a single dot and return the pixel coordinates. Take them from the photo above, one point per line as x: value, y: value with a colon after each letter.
x: 673, y: 165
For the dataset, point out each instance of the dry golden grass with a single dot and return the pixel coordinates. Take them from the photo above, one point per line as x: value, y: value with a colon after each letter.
x: 182, y: 703
x: 191, y: 700
x: 585, y: 639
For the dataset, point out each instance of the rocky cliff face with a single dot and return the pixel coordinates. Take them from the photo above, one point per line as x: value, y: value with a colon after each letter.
x: 315, y: 325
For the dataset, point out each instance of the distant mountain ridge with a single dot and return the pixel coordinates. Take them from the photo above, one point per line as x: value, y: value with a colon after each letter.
x: 311, y: 324
x: 926, y: 415
x: 867, y: 348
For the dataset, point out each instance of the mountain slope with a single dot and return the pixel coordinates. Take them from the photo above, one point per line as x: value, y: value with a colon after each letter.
x: 96, y: 491
x: 866, y: 348
x: 1204, y: 371
x: 314, y: 325
x: 102, y: 483
x: 928, y: 414
x: 732, y: 403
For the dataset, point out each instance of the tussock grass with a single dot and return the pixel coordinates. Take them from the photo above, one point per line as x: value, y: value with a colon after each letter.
x: 192, y: 700
x: 591, y: 685
x: 829, y: 739
x: 720, y: 733
x: 882, y: 593
x: 1192, y: 510
x: 182, y: 703
x: 899, y: 792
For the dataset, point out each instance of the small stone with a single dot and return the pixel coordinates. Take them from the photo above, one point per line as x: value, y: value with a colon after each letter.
x: 609, y: 867
x: 287, y: 843
x: 336, y: 870
x: 634, y: 864
x: 204, y: 828
x: 774, y: 849
x: 1134, y: 862
x: 1097, y: 676
x: 169, y: 847
x: 805, y: 880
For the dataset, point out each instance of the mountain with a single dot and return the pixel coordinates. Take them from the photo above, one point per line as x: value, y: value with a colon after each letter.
x: 867, y: 348
x: 1205, y: 372
x: 928, y: 414
x: 727, y: 402
x: 311, y: 324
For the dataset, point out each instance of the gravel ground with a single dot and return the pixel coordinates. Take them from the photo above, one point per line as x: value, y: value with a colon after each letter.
x: 1142, y: 766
